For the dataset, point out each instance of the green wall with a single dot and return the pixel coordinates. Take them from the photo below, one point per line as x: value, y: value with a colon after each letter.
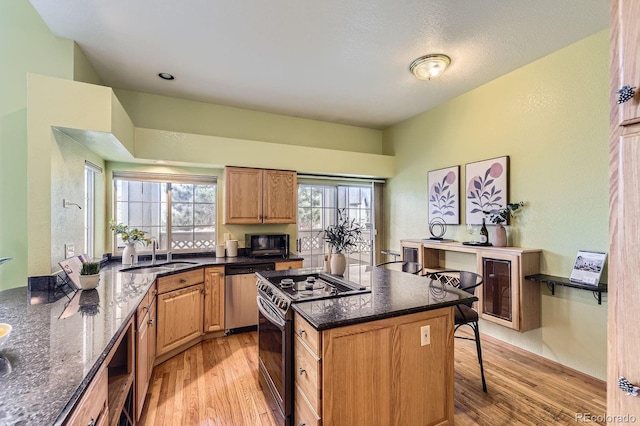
x: 181, y: 115
x: 551, y: 118
x: 26, y: 45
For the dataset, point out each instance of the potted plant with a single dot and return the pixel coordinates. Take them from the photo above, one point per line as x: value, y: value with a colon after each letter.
x: 341, y: 237
x: 89, y: 275
x: 499, y: 217
x: 130, y: 237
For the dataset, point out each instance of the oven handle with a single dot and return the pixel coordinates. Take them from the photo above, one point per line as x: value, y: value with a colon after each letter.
x: 263, y: 306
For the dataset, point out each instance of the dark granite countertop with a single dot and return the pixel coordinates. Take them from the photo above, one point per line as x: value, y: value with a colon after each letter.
x: 56, y: 348
x: 393, y: 293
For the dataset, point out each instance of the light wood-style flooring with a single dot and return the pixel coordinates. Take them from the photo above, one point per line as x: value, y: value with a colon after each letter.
x: 215, y: 383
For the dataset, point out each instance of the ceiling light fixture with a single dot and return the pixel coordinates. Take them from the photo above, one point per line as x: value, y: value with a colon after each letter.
x: 429, y: 66
x: 166, y: 76
x: 160, y: 162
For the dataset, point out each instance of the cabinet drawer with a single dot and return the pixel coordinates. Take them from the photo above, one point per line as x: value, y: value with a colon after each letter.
x: 181, y: 280
x: 307, y: 334
x: 291, y: 264
x: 307, y: 374
x: 145, y: 304
x: 92, y: 407
x: 304, y: 414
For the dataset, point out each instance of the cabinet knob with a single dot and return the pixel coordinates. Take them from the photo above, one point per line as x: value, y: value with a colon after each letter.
x: 155, y: 292
x: 183, y: 280
x: 628, y: 387
x: 301, y: 332
x: 151, y: 321
x: 92, y: 422
x: 625, y: 93
x: 145, y: 308
x: 302, y: 424
x: 301, y: 371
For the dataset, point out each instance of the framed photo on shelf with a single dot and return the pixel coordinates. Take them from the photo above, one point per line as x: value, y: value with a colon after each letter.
x: 443, y: 193
x: 588, y: 267
x: 487, y: 187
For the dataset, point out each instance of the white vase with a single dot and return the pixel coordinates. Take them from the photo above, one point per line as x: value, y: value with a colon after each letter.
x: 501, y: 236
x: 338, y: 264
x: 130, y: 254
x: 89, y: 282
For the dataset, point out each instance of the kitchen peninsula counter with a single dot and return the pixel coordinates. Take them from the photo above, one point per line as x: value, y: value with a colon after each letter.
x: 55, y: 349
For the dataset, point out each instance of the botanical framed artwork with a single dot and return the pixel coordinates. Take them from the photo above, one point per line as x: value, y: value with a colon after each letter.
x: 443, y: 188
x: 486, y: 187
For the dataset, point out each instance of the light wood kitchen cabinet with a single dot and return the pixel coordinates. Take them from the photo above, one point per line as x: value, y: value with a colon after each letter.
x: 505, y: 297
x: 145, y: 347
x: 179, y: 317
x: 624, y: 205
x: 213, y: 299
x: 255, y: 196
x: 92, y: 409
x: 291, y: 264
x: 376, y: 372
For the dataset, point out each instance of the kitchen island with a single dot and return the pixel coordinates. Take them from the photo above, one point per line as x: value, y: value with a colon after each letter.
x: 384, y: 357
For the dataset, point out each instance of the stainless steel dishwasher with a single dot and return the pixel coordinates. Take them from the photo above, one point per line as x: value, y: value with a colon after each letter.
x: 240, y: 292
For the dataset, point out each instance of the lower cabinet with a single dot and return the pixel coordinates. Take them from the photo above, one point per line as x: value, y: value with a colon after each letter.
x: 145, y: 348
x: 290, y: 264
x: 213, y: 299
x: 92, y: 408
x: 179, y: 317
x: 376, y: 373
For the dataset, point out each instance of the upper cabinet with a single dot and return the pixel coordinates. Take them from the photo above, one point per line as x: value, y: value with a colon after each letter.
x: 625, y: 72
x: 255, y: 196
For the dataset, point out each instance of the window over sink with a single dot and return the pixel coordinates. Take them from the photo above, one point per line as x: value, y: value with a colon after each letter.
x: 179, y: 211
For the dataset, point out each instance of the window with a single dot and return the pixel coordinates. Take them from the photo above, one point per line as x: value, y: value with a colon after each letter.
x: 318, y: 206
x: 178, y: 211
x: 90, y: 171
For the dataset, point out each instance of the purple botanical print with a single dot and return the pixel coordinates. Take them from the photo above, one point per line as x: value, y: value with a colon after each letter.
x: 482, y: 191
x: 441, y: 199
x: 443, y: 193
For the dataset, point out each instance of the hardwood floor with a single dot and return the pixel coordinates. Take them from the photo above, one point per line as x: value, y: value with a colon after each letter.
x: 214, y: 383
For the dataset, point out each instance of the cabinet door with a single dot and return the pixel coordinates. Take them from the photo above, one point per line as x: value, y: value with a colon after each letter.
x: 280, y: 189
x: 628, y: 62
x: 213, y: 299
x: 179, y: 318
x: 152, y: 332
x: 243, y: 195
x: 500, y: 292
x: 142, y: 363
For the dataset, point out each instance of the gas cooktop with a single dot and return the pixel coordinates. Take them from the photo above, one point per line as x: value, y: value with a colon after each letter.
x: 314, y: 286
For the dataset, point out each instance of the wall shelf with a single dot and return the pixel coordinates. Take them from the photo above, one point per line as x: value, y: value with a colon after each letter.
x: 552, y: 281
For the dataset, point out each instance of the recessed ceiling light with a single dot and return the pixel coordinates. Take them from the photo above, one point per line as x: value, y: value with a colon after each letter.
x: 429, y: 66
x: 166, y: 76
x: 160, y: 162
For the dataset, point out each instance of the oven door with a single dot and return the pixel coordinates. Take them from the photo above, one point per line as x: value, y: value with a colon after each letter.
x: 275, y: 356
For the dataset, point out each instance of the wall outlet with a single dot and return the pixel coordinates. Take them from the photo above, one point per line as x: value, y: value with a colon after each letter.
x: 69, y: 251
x: 425, y: 335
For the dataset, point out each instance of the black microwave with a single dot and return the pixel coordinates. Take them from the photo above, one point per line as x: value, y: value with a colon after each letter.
x: 267, y: 245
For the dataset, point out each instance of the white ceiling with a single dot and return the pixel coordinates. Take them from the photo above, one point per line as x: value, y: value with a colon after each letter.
x: 343, y: 61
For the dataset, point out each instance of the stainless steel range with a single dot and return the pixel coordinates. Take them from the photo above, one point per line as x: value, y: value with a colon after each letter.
x: 276, y: 292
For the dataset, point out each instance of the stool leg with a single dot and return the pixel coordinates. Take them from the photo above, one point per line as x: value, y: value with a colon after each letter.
x: 479, y: 350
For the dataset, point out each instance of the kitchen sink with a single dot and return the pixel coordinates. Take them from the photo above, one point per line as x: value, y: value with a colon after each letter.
x: 158, y: 267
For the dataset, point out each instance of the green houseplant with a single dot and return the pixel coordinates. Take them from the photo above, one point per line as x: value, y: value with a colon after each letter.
x: 89, y: 275
x: 342, y: 237
x: 499, y: 217
x: 130, y: 237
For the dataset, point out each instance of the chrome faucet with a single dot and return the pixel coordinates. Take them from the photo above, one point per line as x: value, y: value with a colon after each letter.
x: 154, y: 246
